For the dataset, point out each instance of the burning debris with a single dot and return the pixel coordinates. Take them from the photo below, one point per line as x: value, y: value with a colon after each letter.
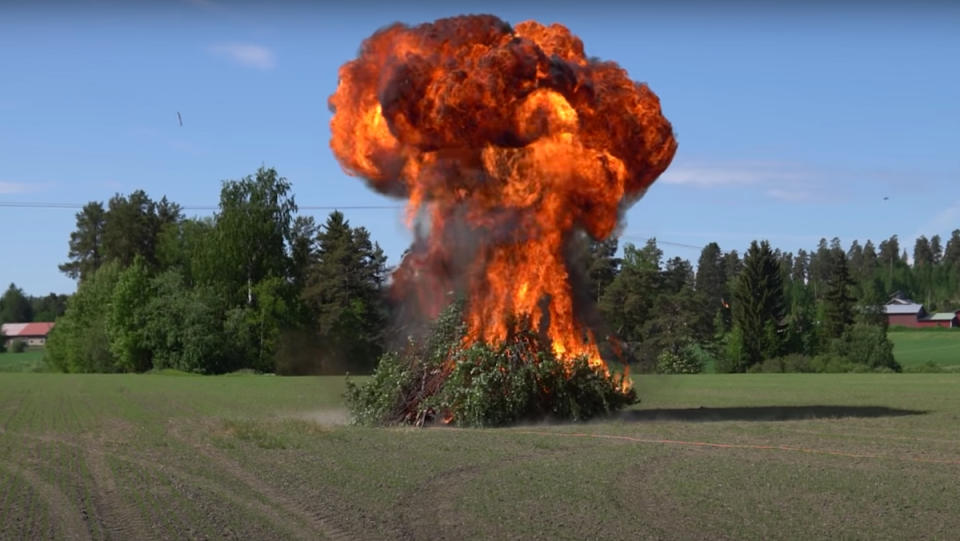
x: 506, y: 141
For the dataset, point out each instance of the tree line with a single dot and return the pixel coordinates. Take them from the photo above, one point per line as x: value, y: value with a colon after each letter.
x: 769, y: 310
x: 18, y: 307
x: 258, y: 286
x: 255, y: 286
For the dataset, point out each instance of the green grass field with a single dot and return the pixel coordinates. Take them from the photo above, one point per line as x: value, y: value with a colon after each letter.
x: 28, y: 361
x: 912, y: 348
x: 760, y: 456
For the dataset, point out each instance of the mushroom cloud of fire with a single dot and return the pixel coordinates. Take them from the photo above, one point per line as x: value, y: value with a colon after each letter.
x: 506, y: 141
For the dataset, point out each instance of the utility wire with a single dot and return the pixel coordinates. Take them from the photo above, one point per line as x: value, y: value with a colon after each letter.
x: 75, y: 206
x: 665, y: 242
x: 680, y: 244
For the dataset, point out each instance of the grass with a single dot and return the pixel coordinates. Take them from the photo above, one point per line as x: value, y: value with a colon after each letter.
x: 30, y: 360
x: 914, y: 348
x: 712, y: 456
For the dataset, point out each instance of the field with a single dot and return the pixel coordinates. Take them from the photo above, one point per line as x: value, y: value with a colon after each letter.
x: 28, y: 361
x: 764, y: 456
x: 913, y: 348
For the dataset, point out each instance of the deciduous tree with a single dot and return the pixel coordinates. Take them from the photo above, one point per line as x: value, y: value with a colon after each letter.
x: 80, y: 342
x: 252, y: 228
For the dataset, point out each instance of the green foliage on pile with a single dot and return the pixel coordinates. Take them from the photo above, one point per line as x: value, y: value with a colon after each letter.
x: 482, y: 385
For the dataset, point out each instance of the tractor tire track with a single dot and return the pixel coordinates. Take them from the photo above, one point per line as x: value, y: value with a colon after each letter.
x: 13, y: 413
x: 119, y: 519
x: 318, y: 521
x: 282, y: 524
x: 438, y: 495
x: 122, y: 520
x: 69, y: 519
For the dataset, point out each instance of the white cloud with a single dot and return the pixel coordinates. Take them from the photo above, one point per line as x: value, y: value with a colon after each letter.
x: 246, y: 54
x: 782, y: 181
x: 202, y: 3
x: 945, y: 220
x: 7, y: 188
x: 735, y: 174
x: 795, y: 196
x: 941, y: 223
x: 209, y: 6
x: 113, y: 185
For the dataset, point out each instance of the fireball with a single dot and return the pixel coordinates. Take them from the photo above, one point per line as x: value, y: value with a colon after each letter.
x: 506, y: 141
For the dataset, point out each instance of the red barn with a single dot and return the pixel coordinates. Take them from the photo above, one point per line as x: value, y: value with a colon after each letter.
x: 906, y: 313
x: 34, y: 334
x: 941, y: 319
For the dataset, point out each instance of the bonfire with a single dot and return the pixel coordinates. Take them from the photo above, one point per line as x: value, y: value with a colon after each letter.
x: 507, y: 142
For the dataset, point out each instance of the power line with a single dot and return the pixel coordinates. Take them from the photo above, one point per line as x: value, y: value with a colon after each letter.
x: 664, y: 242
x: 76, y: 206
x: 680, y: 244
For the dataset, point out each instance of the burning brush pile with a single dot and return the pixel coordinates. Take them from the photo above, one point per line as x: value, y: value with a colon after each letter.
x: 507, y: 142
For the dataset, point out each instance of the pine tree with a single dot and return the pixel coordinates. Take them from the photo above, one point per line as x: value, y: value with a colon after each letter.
x: 800, y: 267
x: 869, y: 265
x: 601, y: 265
x: 819, y: 268
x: 855, y: 258
x: 838, y: 301
x: 628, y: 304
x: 888, y: 259
x: 732, y: 264
x: 710, y: 285
x: 951, y: 255
x: 677, y: 274
x: 785, y: 259
x: 871, y: 301
x: 86, y: 243
x: 922, y: 253
x: 759, y: 307
x: 15, y: 307
x: 937, y: 249
x: 344, y: 293
x: 732, y: 267
x: 835, y: 245
x: 132, y: 226
x: 800, y: 331
x: 303, y: 238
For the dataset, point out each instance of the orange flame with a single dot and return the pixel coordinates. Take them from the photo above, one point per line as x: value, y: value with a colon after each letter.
x: 505, y: 141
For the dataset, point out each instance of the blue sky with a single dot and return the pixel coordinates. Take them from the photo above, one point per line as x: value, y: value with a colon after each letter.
x: 793, y: 124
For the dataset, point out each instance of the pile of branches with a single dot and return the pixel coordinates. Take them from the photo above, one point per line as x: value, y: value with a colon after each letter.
x: 440, y: 379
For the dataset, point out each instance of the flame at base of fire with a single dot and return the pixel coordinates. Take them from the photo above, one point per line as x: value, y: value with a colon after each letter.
x: 442, y: 379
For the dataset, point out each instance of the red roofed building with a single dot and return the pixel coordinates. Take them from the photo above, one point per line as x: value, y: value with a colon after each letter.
x: 941, y: 319
x: 34, y: 334
x: 906, y: 313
